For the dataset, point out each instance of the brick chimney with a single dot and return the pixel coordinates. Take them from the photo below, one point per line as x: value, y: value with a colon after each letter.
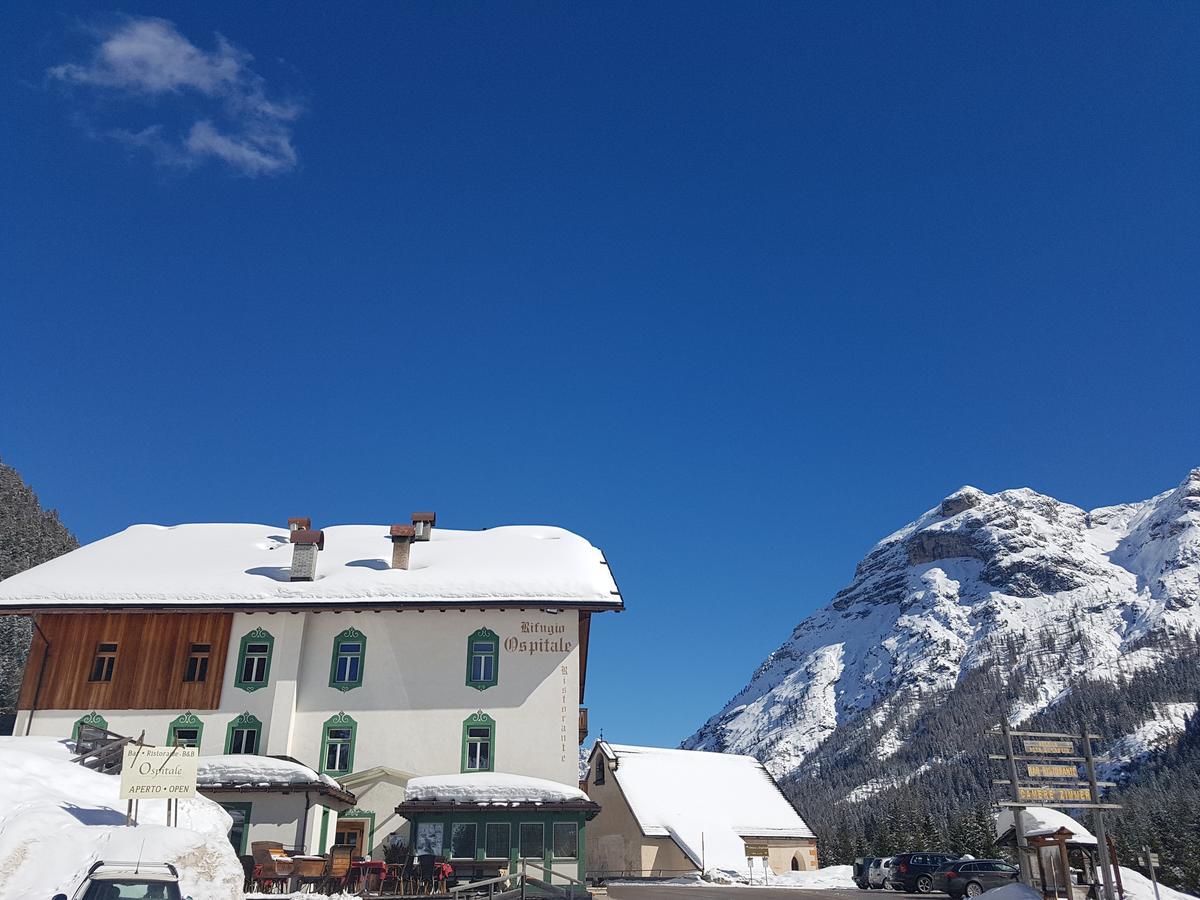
x: 402, y: 538
x: 305, y: 544
x: 303, y: 523
x: 423, y: 524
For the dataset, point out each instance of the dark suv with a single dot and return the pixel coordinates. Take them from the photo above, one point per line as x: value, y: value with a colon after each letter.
x: 913, y: 872
x: 971, y: 877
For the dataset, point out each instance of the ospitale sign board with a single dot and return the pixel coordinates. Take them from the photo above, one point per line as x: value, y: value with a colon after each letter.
x: 158, y: 772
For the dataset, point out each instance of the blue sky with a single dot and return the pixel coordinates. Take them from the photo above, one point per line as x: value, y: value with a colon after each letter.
x: 732, y: 290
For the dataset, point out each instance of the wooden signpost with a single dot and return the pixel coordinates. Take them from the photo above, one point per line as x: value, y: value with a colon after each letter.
x: 1052, y: 776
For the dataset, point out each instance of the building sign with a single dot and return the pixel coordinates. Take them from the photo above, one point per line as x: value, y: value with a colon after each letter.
x: 1045, y: 770
x: 158, y: 772
x: 757, y: 851
x: 1040, y: 747
x: 1053, y: 794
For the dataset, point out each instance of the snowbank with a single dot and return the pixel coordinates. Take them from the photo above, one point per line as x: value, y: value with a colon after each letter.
x: 819, y: 879
x: 1016, y: 891
x: 247, y: 770
x: 184, y: 564
x: 490, y: 787
x: 58, y: 818
x: 1139, y: 887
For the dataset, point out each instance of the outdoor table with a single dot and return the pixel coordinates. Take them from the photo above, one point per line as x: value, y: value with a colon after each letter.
x: 368, y: 870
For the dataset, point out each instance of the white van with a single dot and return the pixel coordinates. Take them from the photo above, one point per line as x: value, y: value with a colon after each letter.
x: 128, y: 881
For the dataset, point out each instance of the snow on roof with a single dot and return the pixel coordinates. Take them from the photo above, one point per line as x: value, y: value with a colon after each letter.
x: 707, y: 802
x: 493, y: 788
x: 1041, y: 820
x: 248, y: 770
x: 195, y: 564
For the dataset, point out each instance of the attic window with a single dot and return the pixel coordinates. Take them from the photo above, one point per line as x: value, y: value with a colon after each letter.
x: 599, y: 779
x: 196, y: 669
x: 104, y: 663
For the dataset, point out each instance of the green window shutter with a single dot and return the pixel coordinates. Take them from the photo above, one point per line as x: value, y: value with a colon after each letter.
x: 349, y: 659
x: 483, y: 659
x: 244, y: 735
x: 254, y: 660
x: 240, y: 832
x: 92, y: 718
x: 337, y: 744
x: 186, y: 729
x: 479, y: 743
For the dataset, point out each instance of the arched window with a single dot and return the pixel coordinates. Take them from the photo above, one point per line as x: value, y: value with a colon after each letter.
x: 337, y: 744
x: 483, y: 659
x: 349, y: 657
x: 244, y: 734
x: 185, y: 731
x: 254, y: 660
x: 795, y: 864
x: 479, y: 743
x: 93, y: 718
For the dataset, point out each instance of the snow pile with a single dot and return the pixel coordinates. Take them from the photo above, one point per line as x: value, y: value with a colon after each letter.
x: 1139, y: 887
x: 819, y: 879
x: 951, y: 592
x: 490, y: 787
x: 247, y: 770
x: 1040, y: 820
x: 58, y: 818
x: 184, y: 564
x: 1015, y: 891
x: 707, y: 802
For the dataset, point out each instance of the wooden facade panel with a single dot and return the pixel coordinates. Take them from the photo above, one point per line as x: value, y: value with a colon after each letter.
x: 152, y: 654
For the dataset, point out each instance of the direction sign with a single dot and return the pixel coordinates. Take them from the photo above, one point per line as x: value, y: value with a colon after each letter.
x: 1038, y: 770
x: 158, y: 772
x: 1040, y: 746
x: 1053, y: 794
x: 757, y: 851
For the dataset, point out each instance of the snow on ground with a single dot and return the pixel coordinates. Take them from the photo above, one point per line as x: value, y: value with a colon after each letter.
x: 238, y: 769
x: 1139, y: 887
x: 1165, y: 724
x: 58, y: 818
x: 1016, y: 891
x: 184, y: 564
x: 490, y: 787
x: 818, y: 879
x: 828, y: 878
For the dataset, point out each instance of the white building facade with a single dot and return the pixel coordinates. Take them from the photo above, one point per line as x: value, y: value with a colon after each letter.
x: 470, y: 659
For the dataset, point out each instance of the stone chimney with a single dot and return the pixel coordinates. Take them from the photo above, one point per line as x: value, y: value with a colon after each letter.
x: 402, y: 538
x: 423, y: 524
x: 305, y: 544
x: 304, y: 523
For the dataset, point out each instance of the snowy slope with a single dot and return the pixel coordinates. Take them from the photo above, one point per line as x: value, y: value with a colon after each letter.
x: 980, y: 577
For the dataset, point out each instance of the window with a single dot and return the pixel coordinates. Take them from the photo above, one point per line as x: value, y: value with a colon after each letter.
x: 566, y: 840
x: 599, y: 770
x: 462, y: 840
x: 240, y: 813
x: 197, y: 663
x: 243, y: 735
x: 349, y: 656
x: 337, y: 744
x: 533, y: 840
x: 93, y: 719
x: 254, y: 660
x: 483, y: 658
x: 185, y: 731
x: 497, y: 840
x: 479, y: 734
x: 104, y: 663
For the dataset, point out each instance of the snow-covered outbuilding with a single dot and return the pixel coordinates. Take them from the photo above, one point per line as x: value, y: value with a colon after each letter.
x: 369, y: 653
x: 670, y: 812
x: 271, y: 799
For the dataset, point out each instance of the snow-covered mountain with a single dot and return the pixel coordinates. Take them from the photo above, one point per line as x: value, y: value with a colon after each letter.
x: 1038, y: 587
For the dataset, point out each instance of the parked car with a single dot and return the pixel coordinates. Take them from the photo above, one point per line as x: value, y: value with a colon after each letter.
x: 861, y: 874
x: 971, y: 877
x: 877, y: 875
x: 128, y: 881
x: 913, y: 872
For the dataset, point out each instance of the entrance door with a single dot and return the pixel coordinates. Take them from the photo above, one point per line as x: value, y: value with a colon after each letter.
x: 352, y: 832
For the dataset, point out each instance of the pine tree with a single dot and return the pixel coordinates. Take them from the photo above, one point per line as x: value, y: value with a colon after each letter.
x: 29, y: 536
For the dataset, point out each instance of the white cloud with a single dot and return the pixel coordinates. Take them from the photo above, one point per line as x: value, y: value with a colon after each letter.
x: 149, y: 60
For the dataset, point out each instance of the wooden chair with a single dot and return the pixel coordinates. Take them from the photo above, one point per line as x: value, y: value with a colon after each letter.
x: 425, y: 872
x: 267, y: 874
x: 339, y: 867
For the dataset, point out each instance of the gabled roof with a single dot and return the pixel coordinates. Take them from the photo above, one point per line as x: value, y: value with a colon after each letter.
x: 708, y: 803
x: 248, y: 566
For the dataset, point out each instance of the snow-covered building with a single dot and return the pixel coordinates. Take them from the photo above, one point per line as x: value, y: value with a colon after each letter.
x: 671, y: 812
x: 369, y: 653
